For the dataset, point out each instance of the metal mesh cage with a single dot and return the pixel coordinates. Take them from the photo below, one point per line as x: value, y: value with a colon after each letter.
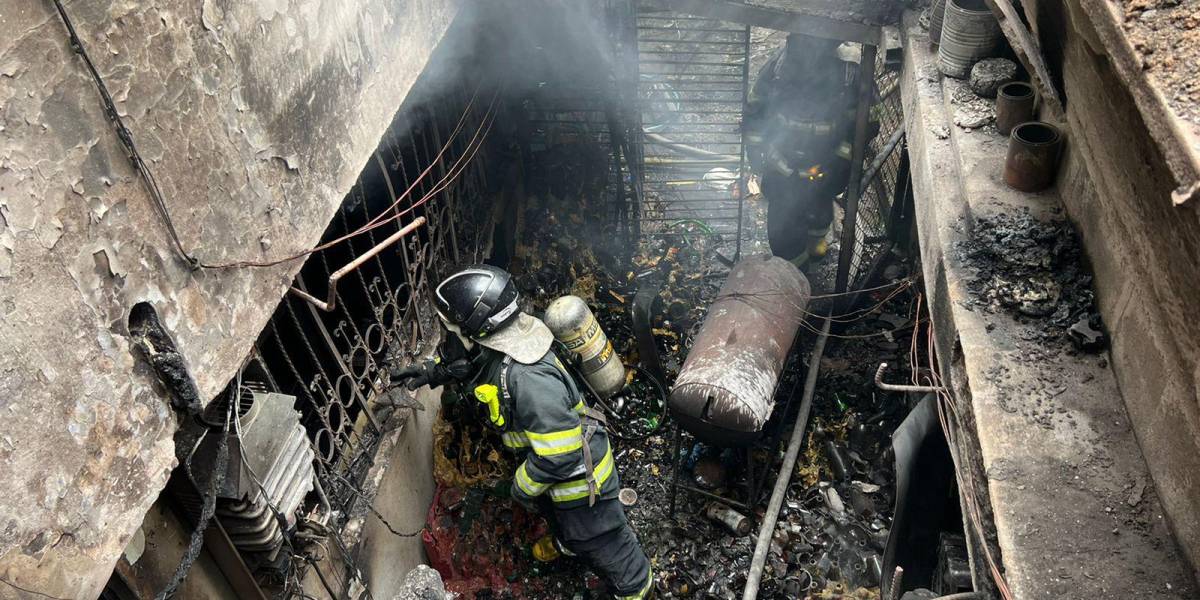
x: 885, y: 152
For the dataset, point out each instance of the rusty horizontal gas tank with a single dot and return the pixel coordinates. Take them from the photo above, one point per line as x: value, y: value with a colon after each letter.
x: 726, y: 390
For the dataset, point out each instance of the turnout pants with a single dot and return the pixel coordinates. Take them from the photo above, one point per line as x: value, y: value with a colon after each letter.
x: 601, y: 536
x: 799, y: 211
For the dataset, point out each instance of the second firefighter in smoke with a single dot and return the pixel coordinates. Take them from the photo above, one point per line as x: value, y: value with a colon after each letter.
x: 799, y: 123
x: 566, y: 468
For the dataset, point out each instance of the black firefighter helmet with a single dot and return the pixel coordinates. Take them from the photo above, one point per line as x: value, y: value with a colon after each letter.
x: 483, y: 303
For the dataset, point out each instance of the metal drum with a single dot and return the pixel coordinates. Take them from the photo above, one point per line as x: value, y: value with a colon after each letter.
x: 726, y: 390
x: 969, y: 33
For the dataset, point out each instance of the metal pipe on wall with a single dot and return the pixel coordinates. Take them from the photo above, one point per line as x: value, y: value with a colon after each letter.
x: 329, y: 303
x: 884, y: 153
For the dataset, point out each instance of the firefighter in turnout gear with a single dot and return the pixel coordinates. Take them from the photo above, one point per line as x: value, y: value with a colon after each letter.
x: 799, y: 124
x: 566, y: 471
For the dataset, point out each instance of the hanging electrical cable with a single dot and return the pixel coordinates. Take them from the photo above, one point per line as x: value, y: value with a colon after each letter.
x: 160, y: 205
x: 949, y: 417
x: 196, y: 542
x: 126, y: 137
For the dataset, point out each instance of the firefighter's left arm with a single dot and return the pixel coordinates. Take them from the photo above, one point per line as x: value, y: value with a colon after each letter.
x: 552, y: 427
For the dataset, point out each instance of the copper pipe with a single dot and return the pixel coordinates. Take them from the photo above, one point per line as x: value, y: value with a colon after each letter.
x: 892, y: 387
x: 331, y: 303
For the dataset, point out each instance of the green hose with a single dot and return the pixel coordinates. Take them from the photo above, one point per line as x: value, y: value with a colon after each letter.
x: 703, y: 226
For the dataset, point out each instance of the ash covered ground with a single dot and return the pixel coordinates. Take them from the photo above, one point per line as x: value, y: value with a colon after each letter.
x: 834, y: 524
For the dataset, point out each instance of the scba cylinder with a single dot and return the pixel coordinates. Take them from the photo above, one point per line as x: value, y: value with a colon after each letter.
x: 573, y: 324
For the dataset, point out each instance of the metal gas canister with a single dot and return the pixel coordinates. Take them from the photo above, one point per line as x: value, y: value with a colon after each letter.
x: 574, y: 325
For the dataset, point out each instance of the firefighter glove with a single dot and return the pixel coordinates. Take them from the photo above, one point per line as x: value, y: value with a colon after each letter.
x: 432, y: 373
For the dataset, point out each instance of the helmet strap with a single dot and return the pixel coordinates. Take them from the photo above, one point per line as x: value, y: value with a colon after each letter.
x: 456, y: 331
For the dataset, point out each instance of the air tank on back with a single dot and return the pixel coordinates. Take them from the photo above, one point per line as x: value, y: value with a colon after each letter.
x: 726, y: 389
x: 573, y: 324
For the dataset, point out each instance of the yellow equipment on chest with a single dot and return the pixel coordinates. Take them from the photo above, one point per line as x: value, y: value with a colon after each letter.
x: 489, y: 395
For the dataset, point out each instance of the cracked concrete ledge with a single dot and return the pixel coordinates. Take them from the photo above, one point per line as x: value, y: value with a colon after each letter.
x: 1059, y: 462
x: 256, y: 118
x: 405, y: 494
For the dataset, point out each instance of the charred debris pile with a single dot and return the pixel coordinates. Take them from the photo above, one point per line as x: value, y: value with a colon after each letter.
x: 832, y: 531
x: 1035, y: 270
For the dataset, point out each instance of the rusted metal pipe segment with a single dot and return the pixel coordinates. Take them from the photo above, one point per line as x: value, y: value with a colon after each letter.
x: 893, y: 387
x: 331, y: 301
x: 766, y: 530
x: 726, y: 390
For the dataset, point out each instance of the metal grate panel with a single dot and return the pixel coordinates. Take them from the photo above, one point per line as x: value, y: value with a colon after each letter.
x: 692, y: 85
x: 335, y: 362
x: 875, y: 205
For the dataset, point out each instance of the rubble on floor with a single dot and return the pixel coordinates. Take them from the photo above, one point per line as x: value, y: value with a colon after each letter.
x: 972, y: 111
x: 830, y: 537
x: 422, y: 583
x: 990, y: 73
x: 835, y: 520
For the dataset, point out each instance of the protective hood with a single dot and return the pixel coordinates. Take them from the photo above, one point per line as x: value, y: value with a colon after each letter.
x: 526, y: 339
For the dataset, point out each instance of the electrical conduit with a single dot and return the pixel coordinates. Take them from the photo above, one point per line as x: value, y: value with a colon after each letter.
x: 765, y: 532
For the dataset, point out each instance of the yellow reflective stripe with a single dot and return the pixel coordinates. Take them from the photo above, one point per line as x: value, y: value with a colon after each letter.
x: 578, y: 488
x: 640, y: 594
x: 515, y: 439
x: 580, y: 407
x: 556, y: 442
x: 527, y: 484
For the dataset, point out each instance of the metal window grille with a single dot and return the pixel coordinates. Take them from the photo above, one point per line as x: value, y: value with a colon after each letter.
x: 589, y: 112
x: 335, y: 362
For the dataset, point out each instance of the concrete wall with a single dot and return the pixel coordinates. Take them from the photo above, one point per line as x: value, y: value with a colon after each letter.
x: 256, y: 117
x: 403, y: 499
x: 1146, y: 257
